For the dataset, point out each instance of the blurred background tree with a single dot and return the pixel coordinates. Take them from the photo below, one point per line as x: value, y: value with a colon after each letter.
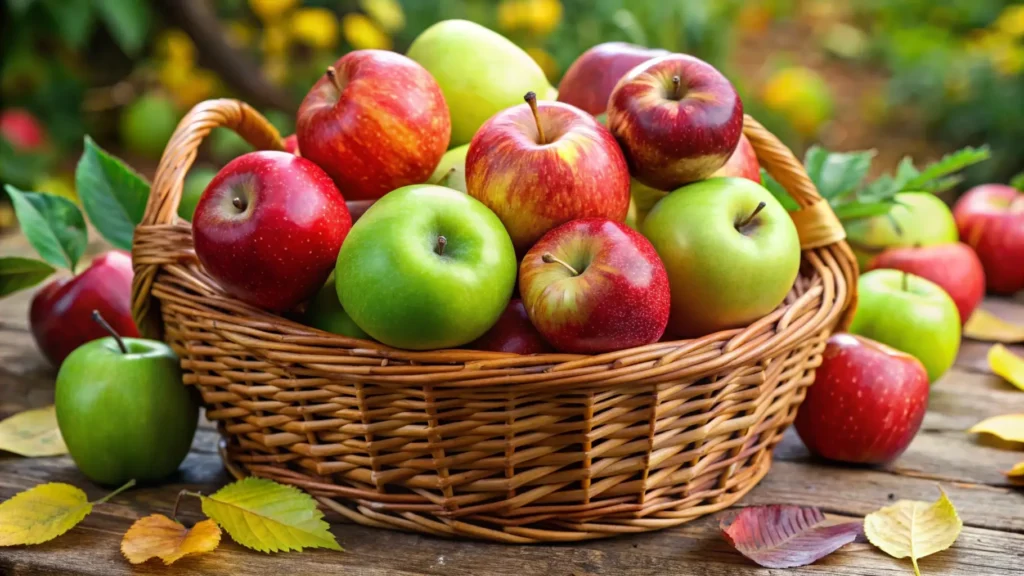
x: 915, y: 77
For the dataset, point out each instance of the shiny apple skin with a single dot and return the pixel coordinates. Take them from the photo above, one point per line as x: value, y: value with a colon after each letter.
x: 281, y: 248
x: 513, y: 333
x: 620, y: 299
x: 669, y: 142
x: 866, y: 404
x: 291, y: 144
x: 578, y: 173
x: 388, y: 128
x: 990, y: 218
x: 743, y: 163
x: 60, y: 314
x: 954, y: 267
x: 590, y: 79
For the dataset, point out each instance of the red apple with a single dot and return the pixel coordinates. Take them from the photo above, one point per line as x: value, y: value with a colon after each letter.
x: 742, y: 163
x: 595, y: 285
x: 677, y: 118
x: 61, y: 312
x: 291, y: 144
x: 541, y: 164
x: 513, y: 333
x: 268, y: 228
x: 954, y: 267
x: 991, y: 219
x: 375, y: 122
x: 19, y: 127
x: 589, y: 82
x: 866, y: 404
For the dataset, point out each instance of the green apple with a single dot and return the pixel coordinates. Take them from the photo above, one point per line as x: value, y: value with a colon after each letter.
x: 147, y: 124
x: 453, y: 162
x: 426, y: 267
x: 918, y: 219
x: 644, y: 198
x: 123, y: 411
x: 633, y: 219
x: 195, y: 184
x: 731, y: 252
x: 480, y: 73
x: 326, y: 313
x: 910, y: 314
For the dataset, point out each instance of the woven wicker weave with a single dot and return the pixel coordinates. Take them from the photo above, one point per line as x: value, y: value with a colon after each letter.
x: 486, y: 445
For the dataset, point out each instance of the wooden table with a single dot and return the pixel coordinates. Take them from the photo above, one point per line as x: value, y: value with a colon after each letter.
x: 969, y: 470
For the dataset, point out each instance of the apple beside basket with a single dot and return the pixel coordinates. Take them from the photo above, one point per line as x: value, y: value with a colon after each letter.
x: 466, y: 443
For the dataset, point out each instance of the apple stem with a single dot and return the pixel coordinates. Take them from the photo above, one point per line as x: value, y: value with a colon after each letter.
x: 531, y: 99
x: 550, y: 258
x: 332, y: 75
x: 676, y: 83
x: 239, y: 203
x: 749, y: 219
x: 448, y: 175
x: 441, y: 243
x: 99, y: 319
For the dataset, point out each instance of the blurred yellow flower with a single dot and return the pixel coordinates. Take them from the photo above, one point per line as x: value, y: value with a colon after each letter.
x: 187, y: 85
x: 175, y: 45
x: 270, y: 10
x: 801, y: 96
x: 239, y: 34
x: 1011, y: 20
x: 544, y: 15
x: 275, y: 40
x: 546, y: 62
x: 363, y: 33
x: 1001, y: 49
x: 387, y: 13
x: 275, y: 68
x: 512, y: 14
x: 59, y: 185
x: 316, y: 27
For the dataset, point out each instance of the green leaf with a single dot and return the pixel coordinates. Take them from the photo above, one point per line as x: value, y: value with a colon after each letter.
x: 113, y: 195
x: 857, y: 210
x: 778, y: 191
x: 20, y: 6
x: 73, y: 18
x: 128, y: 22
x: 1018, y: 181
x: 53, y: 225
x: 837, y: 174
x: 948, y: 164
x: 269, y: 517
x: 18, y: 273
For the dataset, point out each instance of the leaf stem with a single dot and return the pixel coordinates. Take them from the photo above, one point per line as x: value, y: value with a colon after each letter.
x: 531, y: 99
x: 177, y: 501
x: 126, y: 486
x: 99, y: 319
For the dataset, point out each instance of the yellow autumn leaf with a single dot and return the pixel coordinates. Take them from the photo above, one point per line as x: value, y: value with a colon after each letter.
x: 1009, y: 427
x: 1017, y: 471
x: 32, y: 433
x: 1007, y: 364
x: 914, y: 529
x: 986, y: 326
x: 362, y: 33
x: 269, y: 517
x: 157, y: 536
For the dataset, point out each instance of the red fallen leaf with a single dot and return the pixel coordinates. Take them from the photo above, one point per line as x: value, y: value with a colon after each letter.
x: 787, y: 536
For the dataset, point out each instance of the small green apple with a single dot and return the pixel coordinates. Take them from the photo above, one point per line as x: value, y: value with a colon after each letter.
x: 426, y: 267
x: 910, y: 314
x: 195, y: 184
x: 147, y: 124
x: 643, y: 198
x: 918, y: 219
x: 326, y: 313
x: 451, y: 171
x: 731, y: 252
x: 123, y: 410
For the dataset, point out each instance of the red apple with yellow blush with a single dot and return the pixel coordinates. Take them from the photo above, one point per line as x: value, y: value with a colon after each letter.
x: 742, y: 163
x: 590, y: 79
x: 991, y: 220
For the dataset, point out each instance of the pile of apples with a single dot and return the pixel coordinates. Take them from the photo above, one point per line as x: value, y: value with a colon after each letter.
x: 499, y: 224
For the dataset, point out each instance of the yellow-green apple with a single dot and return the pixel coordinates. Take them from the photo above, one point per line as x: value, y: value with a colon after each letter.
x: 426, y: 267
x: 731, y: 251
x: 513, y: 333
x: 268, y: 228
x: 991, y: 220
x: 917, y: 219
x: 867, y: 402
x: 595, y: 285
x: 451, y: 171
x: 326, y: 313
x: 589, y: 81
x: 954, y: 267
x: 375, y: 122
x: 644, y: 198
x: 541, y: 164
x: 910, y: 314
x: 480, y: 72
x: 192, y: 190
x: 677, y: 118
x: 742, y: 163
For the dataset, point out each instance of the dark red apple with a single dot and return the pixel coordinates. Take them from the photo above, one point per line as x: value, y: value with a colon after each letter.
x: 291, y: 144
x: 595, y: 285
x: 991, y: 220
x: 954, y: 267
x: 541, y: 164
x: 589, y: 81
x: 743, y: 162
x: 375, y: 122
x: 268, y: 228
x: 513, y: 333
x: 866, y: 404
x: 19, y: 127
x: 60, y: 315
x: 677, y: 118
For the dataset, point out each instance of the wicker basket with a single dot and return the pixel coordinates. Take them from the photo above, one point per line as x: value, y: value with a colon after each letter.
x: 464, y: 443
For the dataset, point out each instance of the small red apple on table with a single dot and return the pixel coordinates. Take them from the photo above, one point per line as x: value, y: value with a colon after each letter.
x: 513, y: 333
x: 866, y: 404
x: 954, y: 267
x: 268, y: 228
x: 590, y: 79
x: 595, y: 285
x: 991, y: 220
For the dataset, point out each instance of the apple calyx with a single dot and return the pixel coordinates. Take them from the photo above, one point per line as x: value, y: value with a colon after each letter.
x: 441, y: 243
x: 531, y: 99
x: 99, y: 319
x: 550, y: 258
x: 743, y: 226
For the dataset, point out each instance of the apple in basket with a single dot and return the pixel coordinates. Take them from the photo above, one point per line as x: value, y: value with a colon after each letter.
x: 513, y: 333
x: 268, y: 228
x: 590, y: 79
